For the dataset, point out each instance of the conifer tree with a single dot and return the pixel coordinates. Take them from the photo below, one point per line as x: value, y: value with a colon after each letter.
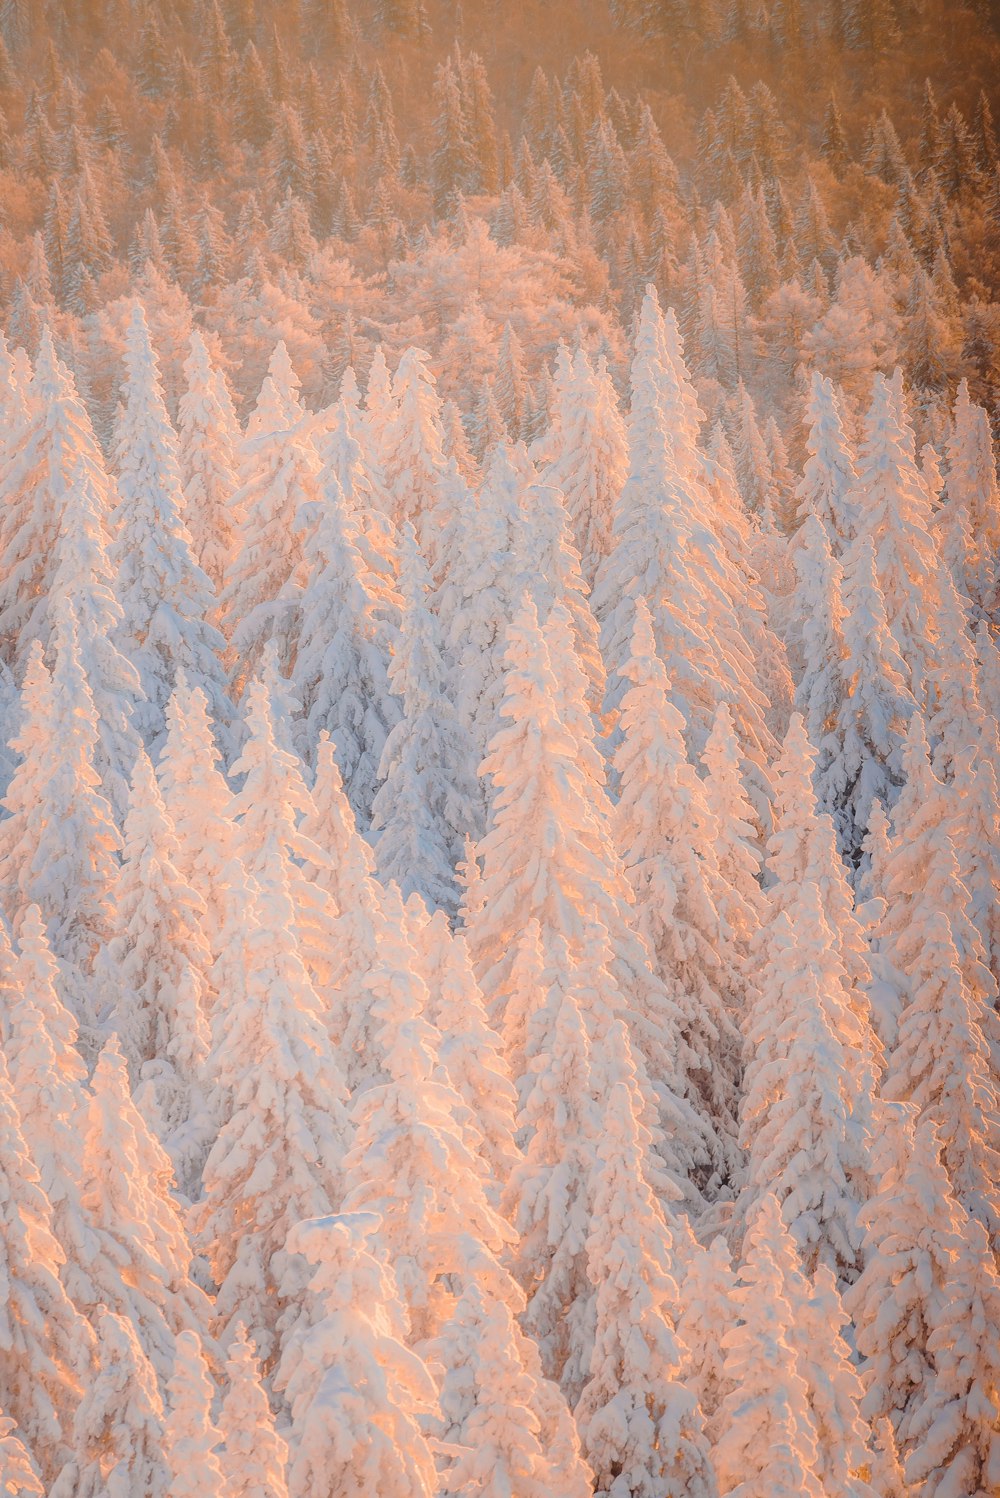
x: 266, y: 571
x: 165, y: 596
x: 280, y: 1152
x: 588, y: 458
x: 666, y: 836
x: 639, y: 1428
x: 341, y: 670
x: 948, y: 1028
x: 737, y: 847
x: 409, y: 1163
x: 208, y: 437
x: 954, y: 1433
x: 549, y: 784
x: 893, y: 511
x: 197, y: 801
x: 768, y: 1441
x: 705, y: 1306
x: 118, y: 1427
x: 471, y: 1052
x: 254, y: 1455
x: 821, y: 687
x: 141, y: 1269
x: 968, y: 522
x: 189, y: 1436
x: 58, y: 844
x: 359, y: 1397
x: 804, y: 1113
x: 802, y: 848
x: 45, y: 1345
x: 155, y: 973
x: 411, y: 452
x: 930, y: 1272
x: 269, y: 844
x: 55, y: 534
x: 48, y: 1076
x: 346, y: 875
x: 427, y: 804
x: 481, y: 591
x: 498, y: 1417
x: 876, y: 708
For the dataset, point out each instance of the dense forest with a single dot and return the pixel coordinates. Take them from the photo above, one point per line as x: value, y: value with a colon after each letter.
x: 499, y: 750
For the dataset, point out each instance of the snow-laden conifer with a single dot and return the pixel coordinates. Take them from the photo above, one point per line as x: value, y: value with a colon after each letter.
x: 428, y: 803
x: 255, y: 1454
x: 46, y: 1347
x: 588, y: 457
x: 767, y: 1442
x: 166, y: 598
x: 118, y: 1429
x: 208, y: 439
x: 341, y: 669
x: 58, y: 843
x: 409, y: 1163
x: 141, y: 1269
x: 359, y: 1397
x: 154, y: 975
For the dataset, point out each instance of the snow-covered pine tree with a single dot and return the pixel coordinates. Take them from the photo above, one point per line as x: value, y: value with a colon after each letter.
x: 558, y: 587
x: 665, y: 549
x: 428, y: 803
x: 550, y: 795
x: 409, y: 1163
x: 737, y: 839
x: 818, y: 612
x: 208, y: 439
x: 953, y: 1434
x: 48, y: 1077
x: 345, y: 454
x: 804, y: 1113
x: 587, y: 457
x: 189, y: 1436
x: 360, y: 1399
x: 197, y: 801
x: 470, y: 1052
x: 141, y: 1268
x: 497, y: 1409
x: 280, y: 1153
x: 118, y: 1427
x: 944, y: 1057
x: 254, y: 1454
x: 265, y: 572
x: 876, y: 707
x: 340, y: 672
x: 968, y: 522
x: 154, y: 977
x: 480, y: 591
x: 272, y: 798
x: 666, y: 836
x: 802, y: 847
x: 640, y: 1429
x: 828, y: 478
x: 46, y: 1347
x: 58, y: 843
x: 930, y: 1283
x: 975, y: 836
x: 893, y: 519
x: 767, y: 1442
x: 166, y: 598
x: 706, y: 1307
x: 58, y: 500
